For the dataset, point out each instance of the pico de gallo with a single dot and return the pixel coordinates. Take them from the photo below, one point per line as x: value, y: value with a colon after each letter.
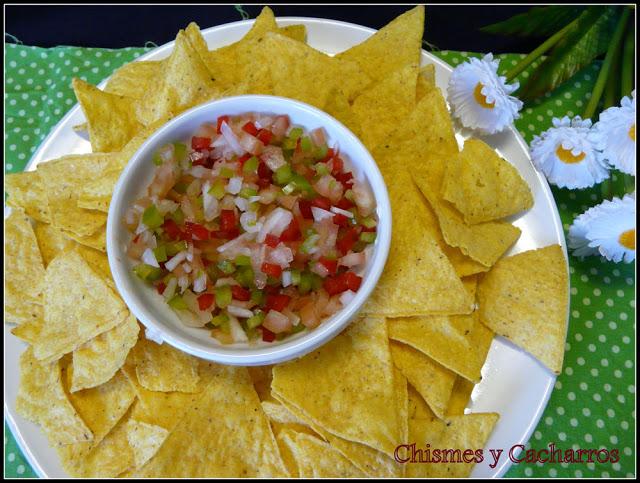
x: 254, y: 229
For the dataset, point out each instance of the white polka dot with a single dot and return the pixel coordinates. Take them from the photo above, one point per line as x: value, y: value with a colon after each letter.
x: 20, y: 469
x: 11, y: 457
x: 586, y: 412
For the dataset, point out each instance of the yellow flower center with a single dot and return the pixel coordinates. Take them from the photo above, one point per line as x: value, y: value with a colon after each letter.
x: 481, y: 98
x: 628, y: 239
x: 632, y: 133
x: 567, y: 157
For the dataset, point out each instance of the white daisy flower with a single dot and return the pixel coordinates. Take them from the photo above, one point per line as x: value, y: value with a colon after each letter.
x: 480, y: 98
x: 608, y: 228
x: 570, y: 154
x: 617, y: 126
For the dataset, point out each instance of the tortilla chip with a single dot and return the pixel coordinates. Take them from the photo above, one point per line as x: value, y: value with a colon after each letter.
x: 393, y: 47
x: 485, y: 242
x: 458, y: 342
x: 145, y: 440
x: 23, y: 270
x: 111, y: 118
x: 460, y: 396
x: 97, y: 240
x: 96, y: 195
x: 418, y: 407
x: 483, y: 186
x: 402, y: 401
x: 227, y: 410
x: 386, y: 104
x: 277, y: 412
x: 288, y: 458
x: 351, y: 378
x: 296, y: 32
x: 430, y: 379
x: 78, y: 307
x: 460, y: 433
x: 524, y: 298
x: 64, y: 179
x: 338, y: 106
x: 185, y: 82
x: 426, y: 81
x: 317, y: 459
x: 161, y: 367
x: 51, y: 241
x: 42, y: 400
x: 300, y: 72
x: 27, y: 191
x: 96, y: 361
x: 462, y: 264
x: 29, y: 331
x: 135, y: 80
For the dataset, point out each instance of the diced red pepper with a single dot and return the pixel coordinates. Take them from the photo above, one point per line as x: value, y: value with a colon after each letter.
x: 240, y: 293
x: 335, y: 285
x: 161, y: 287
x: 267, y: 335
x: 305, y: 209
x: 264, y: 135
x: 347, y: 241
x: 250, y: 128
x: 341, y: 220
x: 271, y: 289
x: 330, y: 265
x: 345, y: 178
x: 244, y: 158
x: 225, y: 234
x: 196, y: 231
x: 321, y: 202
x: 171, y: 228
x: 272, y: 240
x: 200, y: 142
x: 338, y: 166
x: 292, y: 232
x: 370, y: 230
x: 221, y: 119
x: 272, y: 269
x: 264, y: 171
x: 205, y: 301
x: 227, y: 220
x: 277, y: 302
x: 345, y: 204
x: 330, y: 154
x: 352, y: 280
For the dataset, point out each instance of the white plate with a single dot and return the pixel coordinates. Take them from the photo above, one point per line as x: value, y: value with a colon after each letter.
x: 514, y: 384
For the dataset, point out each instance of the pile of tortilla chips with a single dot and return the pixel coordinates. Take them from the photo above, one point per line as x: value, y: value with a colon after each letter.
x: 113, y: 403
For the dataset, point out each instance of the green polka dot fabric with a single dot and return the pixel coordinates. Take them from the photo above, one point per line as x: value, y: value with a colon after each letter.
x: 593, y: 403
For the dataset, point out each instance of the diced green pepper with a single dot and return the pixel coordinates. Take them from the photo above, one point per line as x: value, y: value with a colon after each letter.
x: 295, y: 133
x: 176, y: 247
x: 309, y: 243
x: 245, y: 276
x: 217, y: 189
x: 160, y: 253
x: 295, y: 277
x: 359, y: 246
x: 243, y: 261
x: 152, y: 217
x: 316, y: 281
x: 288, y: 146
x: 283, y: 175
x: 248, y: 192
x: 226, y: 266
x: 177, y: 216
x: 256, y: 319
x: 157, y: 160
x: 306, y: 144
x: 305, y: 283
x: 297, y: 328
x: 180, y: 151
x: 321, y: 169
x: 178, y: 303
x: 147, y: 272
x: 220, y: 319
x: 349, y: 195
x: 250, y: 165
x: 227, y: 173
x: 223, y: 296
x: 369, y: 222
x: 257, y: 297
x: 181, y: 187
x: 368, y: 236
x: 321, y: 151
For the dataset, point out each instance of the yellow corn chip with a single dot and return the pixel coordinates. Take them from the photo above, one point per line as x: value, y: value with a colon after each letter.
x: 51, y: 241
x: 96, y: 195
x: 27, y: 191
x: 23, y: 270
x: 29, y: 331
x: 42, y: 400
x: 97, y: 240
x: 289, y: 459
x: 483, y: 186
x: 277, y: 412
x: 386, y: 104
x: 459, y: 397
x: 228, y: 410
x: 430, y: 379
x: 296, y: 32
x: 426, y: 81
x: 111, y: 118
x: 418, y: 407
x: 393, y: 47
x: 161, y: 367
x: 338, y: 106
x: 96, y: 361
x: 317, y: 459
x: 460, y: 433
x: 524, y: 298
x: 261, y: 377
x: 135, y: 80
x: 352, y: 382
x: 145, y: 440
x: 78, y: 307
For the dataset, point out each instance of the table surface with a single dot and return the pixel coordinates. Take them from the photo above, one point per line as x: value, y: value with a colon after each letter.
x: 593, y: 404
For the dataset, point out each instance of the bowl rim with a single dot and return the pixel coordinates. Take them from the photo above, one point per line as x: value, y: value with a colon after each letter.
x: 289, y: 348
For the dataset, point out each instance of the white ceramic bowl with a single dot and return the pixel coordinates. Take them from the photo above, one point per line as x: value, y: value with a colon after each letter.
x: 161, y: 323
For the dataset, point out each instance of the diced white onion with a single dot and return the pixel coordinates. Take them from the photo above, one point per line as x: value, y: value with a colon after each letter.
x: 273, y: 157
x: 295, y: 320
x: 199, y: 171
x: 249, y: 223
x: 141, y: 228
x: 231, y: 138
x: 281, y: 255
x: 176, y: 260
x: 277, y: 221
x: 235, y: 185
x: 235, y: 242
x: 237, y: 332
x: 226, y: 281
x: 353, y: 259
x: 276, y: 322
x: 340, y: 211
x: 183, y: 283
x: 239, y: 311
x: 200, y: 283
x: 187, y: 268
x: 170, y: 290
x: 320, y: 269
x: 286, y: 278
x: 166, y: 206
x: 210, y: 205
x: 346, y: 297
x: 149, y: 258
x: 241, y: 203
x: 319, y: 214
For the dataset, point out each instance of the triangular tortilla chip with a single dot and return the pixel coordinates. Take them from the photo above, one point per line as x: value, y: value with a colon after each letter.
x: 483, y: 186
x: 23, y: 270
x: 296, y: 32
x: 51, y: 241
x: 430, y: 379
x: 26, y: 190
x: 426, y: 81
x: 459, y: 397
x: 135, y: 80
x: 351, y: 378
x: 393, y: 47
x: 524, y: 298
x: 96, y: 195
x: 338, y: 106
x: 78, y: 307
x: 145, y: 440
x: 111, y: 117
x: 97, y: 240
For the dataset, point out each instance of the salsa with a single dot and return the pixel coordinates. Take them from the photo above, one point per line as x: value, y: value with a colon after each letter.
x: 253, y: 229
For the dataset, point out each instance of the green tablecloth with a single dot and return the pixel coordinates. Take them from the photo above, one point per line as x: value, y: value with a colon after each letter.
x: 594, y: 399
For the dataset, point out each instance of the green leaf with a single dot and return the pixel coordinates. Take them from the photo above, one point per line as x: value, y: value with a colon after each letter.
x: 579, y: 48
x: 537, y: 22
